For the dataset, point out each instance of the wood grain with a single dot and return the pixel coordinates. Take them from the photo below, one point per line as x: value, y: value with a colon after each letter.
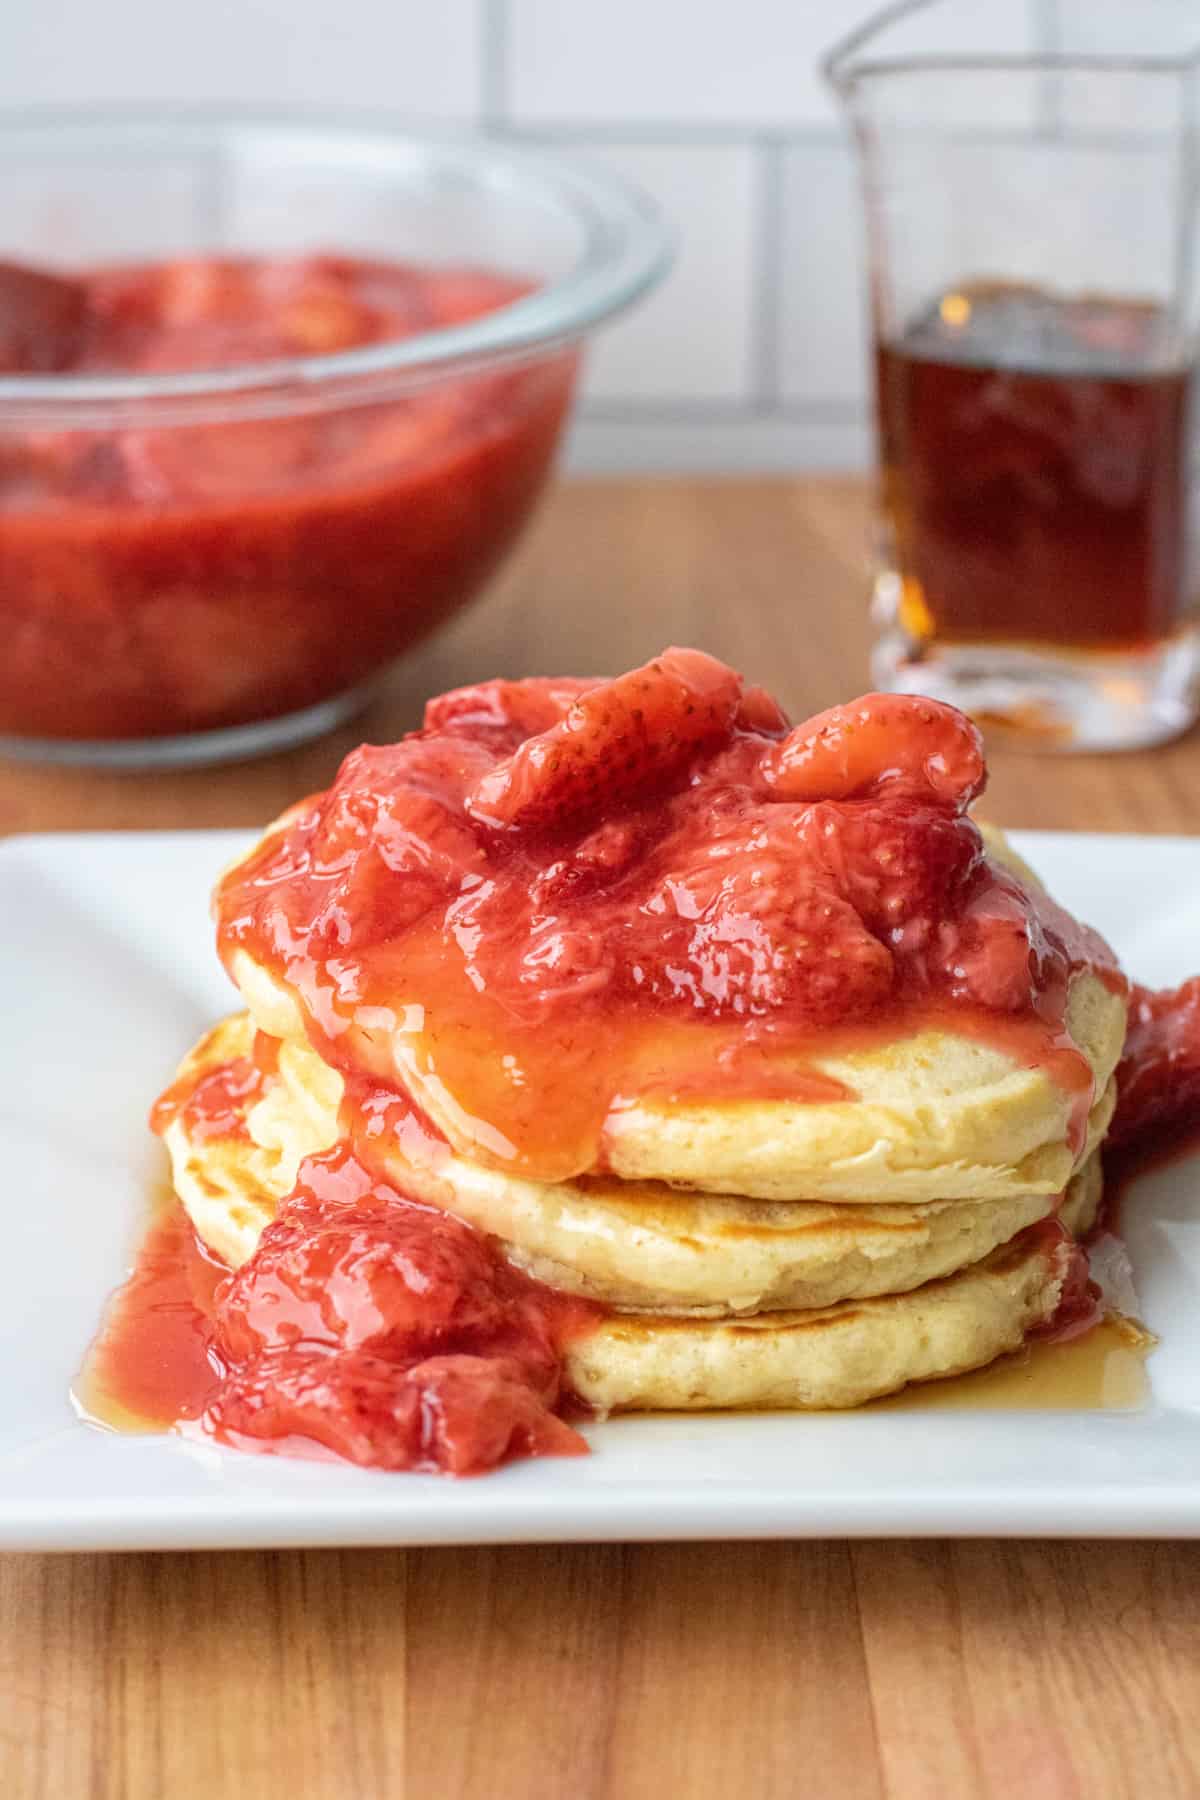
x: 904, y: 1671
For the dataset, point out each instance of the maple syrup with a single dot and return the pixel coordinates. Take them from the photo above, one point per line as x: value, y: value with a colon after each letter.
x: 1036, y: 478
x: 1104, y: 1370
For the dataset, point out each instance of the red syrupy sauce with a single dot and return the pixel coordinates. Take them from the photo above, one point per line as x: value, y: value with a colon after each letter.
x: 216, y: 1104
x: 373, y: 1118
x: 561, y: 896
x: 150, y: 1365
x: 1080, y: 1302
x: 1158, y: 1079
x: 1157, y: 1121
x: 1156, y: 1124
x: 365, y: 1326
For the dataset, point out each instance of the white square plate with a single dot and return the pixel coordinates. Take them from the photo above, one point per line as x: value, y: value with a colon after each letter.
x: 107, y: 973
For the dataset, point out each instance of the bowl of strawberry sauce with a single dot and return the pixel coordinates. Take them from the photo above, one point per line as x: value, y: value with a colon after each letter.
x: 276, y: 399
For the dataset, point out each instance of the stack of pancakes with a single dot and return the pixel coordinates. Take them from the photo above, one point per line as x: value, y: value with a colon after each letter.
x: 753, y: 1253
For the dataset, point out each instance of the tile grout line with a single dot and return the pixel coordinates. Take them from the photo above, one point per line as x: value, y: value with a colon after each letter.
x: 681, y: 133
x: 684, y: 135
x: 634, y: 411
x: 1046, y: 42
x: 766, y: 275
x: 493, y: 64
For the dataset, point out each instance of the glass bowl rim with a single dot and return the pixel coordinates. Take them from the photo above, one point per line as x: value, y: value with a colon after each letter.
x: 626, y: 249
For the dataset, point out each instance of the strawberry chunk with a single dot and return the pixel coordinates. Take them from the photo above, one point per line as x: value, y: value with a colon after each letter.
x: 392, y: 837
x: 898, y: 865
x: 456, y: 1415
x: 388, y: 1332
x: 1158, y: 1081
x: 456, y: 295
x: 379, y: 1274
x: 531, y: 706
x: 617, y: 742
x: 894, y: 742
x: 203, y: 290
x: 760, y: 711
x: 738, y: 958
x: 746, y: 929
x: 992, y: 951
x: 42, y: 319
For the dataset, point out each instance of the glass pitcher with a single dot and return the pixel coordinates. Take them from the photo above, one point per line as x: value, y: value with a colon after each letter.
x: 1032, y: 212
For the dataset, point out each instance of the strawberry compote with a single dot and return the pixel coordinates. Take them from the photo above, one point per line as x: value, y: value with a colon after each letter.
x: 214, y: 1105
x: 562, y: 895
x: 165, y: 574
x: 388, y: 1333
x: 365, y: 1326
x: 1158, y: 1081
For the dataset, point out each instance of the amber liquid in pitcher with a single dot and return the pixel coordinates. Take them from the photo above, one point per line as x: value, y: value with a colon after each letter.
x: 1035, y: 456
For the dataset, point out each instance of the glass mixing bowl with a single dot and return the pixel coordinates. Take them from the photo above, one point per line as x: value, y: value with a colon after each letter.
x: 206, y: 554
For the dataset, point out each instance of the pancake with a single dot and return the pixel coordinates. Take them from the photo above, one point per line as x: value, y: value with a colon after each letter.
x: 939, y: 1117
x: 732, y: 1028
x: 834, y: 1357
x: 229, y: 1182
x: 939, y: 1114
x: 827, y: 1357
x: 838, y: 1254
x: 646, y: 1245
x: 634, y: 1246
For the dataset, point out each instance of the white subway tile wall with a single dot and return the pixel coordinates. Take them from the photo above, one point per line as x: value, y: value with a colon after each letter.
x: 739, y: 63
x: 378, y: 53
x: 753, y: 353
x: 822, y: 300
x: 692, y: 341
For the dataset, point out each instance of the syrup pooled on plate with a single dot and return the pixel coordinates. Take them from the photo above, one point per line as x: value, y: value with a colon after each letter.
x: 1090, y: 1358
x: 1102, y: 1371
x: 150, y: 1365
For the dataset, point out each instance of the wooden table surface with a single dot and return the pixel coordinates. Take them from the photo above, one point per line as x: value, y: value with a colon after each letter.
x: 1054, y: 1671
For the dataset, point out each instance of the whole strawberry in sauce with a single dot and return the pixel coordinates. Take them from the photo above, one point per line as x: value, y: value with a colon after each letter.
x: 882, y: 744
x: 617, y: 744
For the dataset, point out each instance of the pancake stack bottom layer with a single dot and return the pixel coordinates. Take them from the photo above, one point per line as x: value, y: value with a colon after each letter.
x: 713, y: 1300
